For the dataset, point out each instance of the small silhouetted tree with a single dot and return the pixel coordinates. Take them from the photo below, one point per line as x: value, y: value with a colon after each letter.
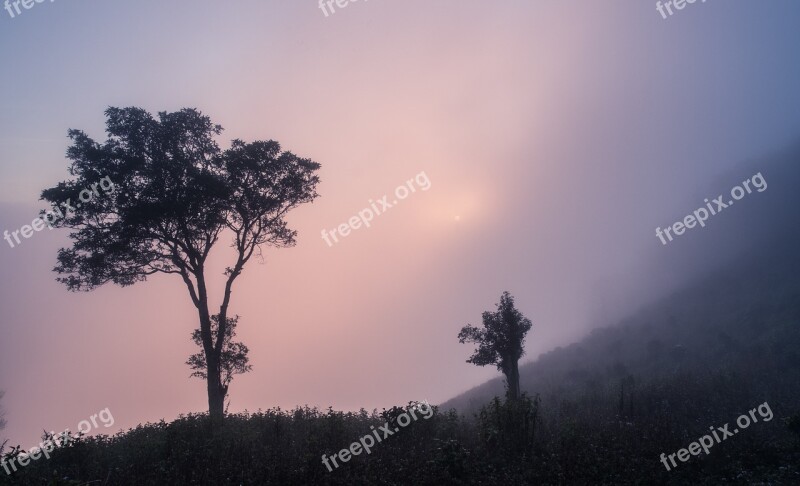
x: 232, y: 361
x: 500, y: 342
x: 3, y: 422
x: 175, y: 194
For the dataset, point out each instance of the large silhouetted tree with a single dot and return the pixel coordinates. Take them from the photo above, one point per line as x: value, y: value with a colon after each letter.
x: 500, y: 342
x: 175, y: 194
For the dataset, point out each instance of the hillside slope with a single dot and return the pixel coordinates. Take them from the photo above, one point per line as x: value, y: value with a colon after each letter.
x: 735, y: 309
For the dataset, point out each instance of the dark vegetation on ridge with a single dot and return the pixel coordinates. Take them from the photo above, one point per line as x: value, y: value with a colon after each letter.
x: 610, y: 405
x: 603, y: 409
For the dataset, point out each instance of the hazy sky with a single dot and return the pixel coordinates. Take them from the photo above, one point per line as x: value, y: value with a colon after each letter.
x: 556, y: 136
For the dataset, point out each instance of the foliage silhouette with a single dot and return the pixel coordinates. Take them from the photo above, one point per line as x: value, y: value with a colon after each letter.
x: 232, y: 361
x: 501, y: 341
x: 509, y: 425
x: 175, y: 194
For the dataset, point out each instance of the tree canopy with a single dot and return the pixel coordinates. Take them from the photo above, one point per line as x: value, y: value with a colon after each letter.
x: 501, y: 341
x: 170, y: 194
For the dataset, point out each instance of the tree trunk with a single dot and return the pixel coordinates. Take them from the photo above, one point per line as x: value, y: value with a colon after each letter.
x: 216, y: 389
x: 216, y: 392
x: 513, y: 380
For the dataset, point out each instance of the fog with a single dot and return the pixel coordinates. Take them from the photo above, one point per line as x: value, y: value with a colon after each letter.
x: 557, y: 136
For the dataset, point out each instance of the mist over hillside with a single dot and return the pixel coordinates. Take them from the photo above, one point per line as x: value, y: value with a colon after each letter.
x: 447, y: 243
x: 731, y: 301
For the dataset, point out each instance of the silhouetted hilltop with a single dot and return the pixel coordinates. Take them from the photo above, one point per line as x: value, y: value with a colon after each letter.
x: 740, y: 319
x: 737, y: 312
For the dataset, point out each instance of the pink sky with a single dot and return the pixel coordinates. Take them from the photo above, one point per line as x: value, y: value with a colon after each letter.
x: 556, y: 136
